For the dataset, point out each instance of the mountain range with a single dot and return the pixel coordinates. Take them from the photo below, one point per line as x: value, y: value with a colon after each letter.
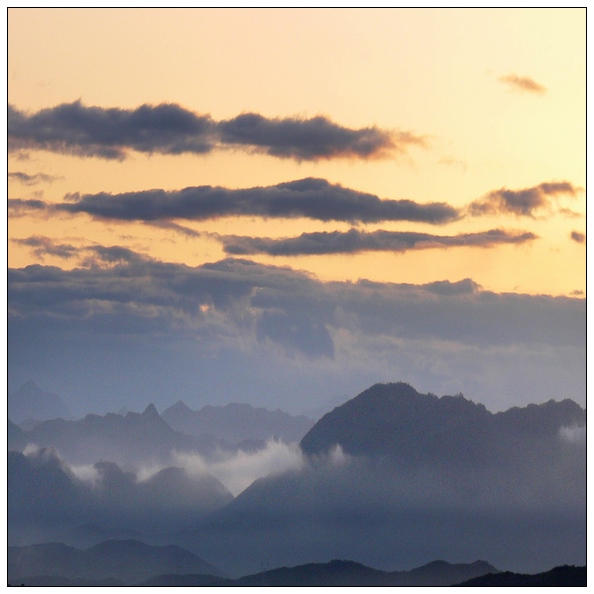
x: 391, y: 477
x: 128, y: 561
x: 236, y: 422
x: 130, y: 439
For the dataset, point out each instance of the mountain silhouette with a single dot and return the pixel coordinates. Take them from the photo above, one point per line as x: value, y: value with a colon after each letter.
x: 558, y: 577
x: 129, y: 561
x: 237, y: 422
x: 413, y: 429
x: 339, y: 573
x: 31, y: 403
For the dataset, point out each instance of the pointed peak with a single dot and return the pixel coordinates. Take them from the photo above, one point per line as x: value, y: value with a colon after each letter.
x: 150, y: 411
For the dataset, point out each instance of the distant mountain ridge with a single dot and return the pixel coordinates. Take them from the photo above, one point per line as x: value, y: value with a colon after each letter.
x: 236, y: 422
x: 129, y: 561
x: 113, y: 437
x: 559, y: 577
x: 31, y: 403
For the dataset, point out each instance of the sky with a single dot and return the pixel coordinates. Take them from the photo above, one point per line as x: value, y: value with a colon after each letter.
x: 285, y: 206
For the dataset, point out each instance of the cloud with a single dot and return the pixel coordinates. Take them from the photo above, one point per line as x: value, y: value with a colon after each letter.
x: 127, y: 329
x: 73, y: 128
x: 578, y: 237
x: 19, y: 207
x: 574, y: 434
x: 522, y: 202
x: 355, y: 241
x: 523, y: 84
x: 110, y: 133
x: 310, y: 198
x: 31, y: 180
x: 45, y: 246
x: 238, y: 470
x: 315, y: 138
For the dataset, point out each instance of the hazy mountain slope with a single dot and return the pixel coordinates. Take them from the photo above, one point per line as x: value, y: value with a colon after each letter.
x: 236, y: 422
x: 127, y: 439
x: 129, y: 561
x: 29, y: 402
x: 15, y: 437
x: 46, y: 500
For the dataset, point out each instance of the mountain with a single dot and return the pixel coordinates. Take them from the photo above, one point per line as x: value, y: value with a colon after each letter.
x: 29, y: 402
x: 237, y: 422
x: 395, y: 476
x: 337, y: 574
x: 558, y: 577
x: 419, y: 430
x: 128, y: 561
x: 129, y: 439
x: 47, y: 501
x: 16, y: 438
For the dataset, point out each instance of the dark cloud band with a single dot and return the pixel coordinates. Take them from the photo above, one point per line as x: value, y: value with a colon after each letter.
x: 354, y: 241
x: 310, y: 198
x: 110, y: 133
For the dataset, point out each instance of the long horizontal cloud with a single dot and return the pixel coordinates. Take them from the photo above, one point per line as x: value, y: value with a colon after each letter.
x: 311, y: 198
x: 110, y: 133
x: 355, y: 241
x: 522, y: 202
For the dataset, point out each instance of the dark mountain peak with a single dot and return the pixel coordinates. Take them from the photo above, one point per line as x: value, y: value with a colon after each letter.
x: 395, y: 421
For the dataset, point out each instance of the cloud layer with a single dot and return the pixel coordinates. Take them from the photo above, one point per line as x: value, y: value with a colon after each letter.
x: 111, y: 133
x: 132, y: 329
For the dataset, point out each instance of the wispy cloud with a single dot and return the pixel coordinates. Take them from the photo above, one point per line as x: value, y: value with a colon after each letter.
x: 30, y: 180
x: 355, y: 241
x: 111, y: 133
x: 19, y: 207
x: 523, y: 202
x: 522, y: 84
x: 44, y: 246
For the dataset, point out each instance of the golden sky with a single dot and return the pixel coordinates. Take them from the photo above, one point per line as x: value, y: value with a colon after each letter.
x: 496, y: 97
x: 280, y: 206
